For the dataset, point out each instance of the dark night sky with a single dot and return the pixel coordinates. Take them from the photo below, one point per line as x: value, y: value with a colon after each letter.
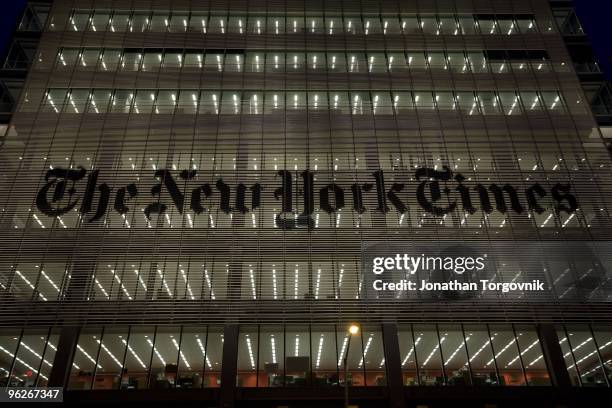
x: 594, y: 14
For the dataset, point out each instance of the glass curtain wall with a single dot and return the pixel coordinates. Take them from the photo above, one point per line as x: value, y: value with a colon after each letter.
x: 236, y: 102
x: 26, y: 356
x: 163, y: 357
x: 255, y: 61
x: 221, y: 23
x: 140, y: 357
x: 300, y: 356
x: 457, y: 355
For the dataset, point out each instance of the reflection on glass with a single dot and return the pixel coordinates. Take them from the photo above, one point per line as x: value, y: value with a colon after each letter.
x: 455, y: 355
x: 312, y: 24
x: 31, y: 355
x: 324, y: 358
x: 428, y: 355
x: 111, y: 358
x: 297, y: 357
x: 247, y: 357
x: 532, y: 357
x: 584, y: 357
x: 166, y: 357
x: 84, y: 363
x: 506, y: 357
x: 137, y: 359
x: 480, y: 353
x: 407, y: 342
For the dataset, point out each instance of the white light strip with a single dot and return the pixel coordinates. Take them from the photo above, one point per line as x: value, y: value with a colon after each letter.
x: 62, y: 221
x: 318, y: 283
x: 24, y: 279
x: 366, y: 349
x: 344, y: 343
x: 110, y: 354
x: 252, y: 278
x: 203, y: 350
x: 593, y: 353
x: 319, y: 351
x: 598, y: 367
x: 411, y: 351
x: 101, y: 288
x: 180, y: 353
x: 134, y: 354
x: 535, y: 361
x: 273, y: 347
x: 532, y: 345
x: 568, y: 220
x: 209, y: 283
x: 274, y: 283
x: 250, y: 348
x: 190, y: 220
x: 577, y: 347
x: 480, y: 350
x: 156, y: 352
x: 49, y: 280
x: 501, y: 352
x: 161, y: 275
x: 90, y: 358
x: 38, y: 221
x: 121, y: 284
x: 22, y: 362
x: 188, y: 285
x: 31, y: 350
x: 433, y: 351
x: 463, y: 344
x: 297, y: 345
x: 546, y: 221
x: 137, y: 272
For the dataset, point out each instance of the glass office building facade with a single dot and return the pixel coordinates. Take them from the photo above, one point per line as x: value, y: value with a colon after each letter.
x: 189, y: 189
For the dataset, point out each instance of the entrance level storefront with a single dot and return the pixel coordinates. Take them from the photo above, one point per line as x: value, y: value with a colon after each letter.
x: 290, y: 365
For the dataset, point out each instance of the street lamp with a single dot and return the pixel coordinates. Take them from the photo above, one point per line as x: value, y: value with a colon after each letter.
x: 352, y: 330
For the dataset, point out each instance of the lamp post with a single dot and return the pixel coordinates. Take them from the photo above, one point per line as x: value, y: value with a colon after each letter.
x: 353, y: 329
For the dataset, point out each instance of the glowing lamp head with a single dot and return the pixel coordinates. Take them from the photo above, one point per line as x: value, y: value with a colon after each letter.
x: 354, y: 329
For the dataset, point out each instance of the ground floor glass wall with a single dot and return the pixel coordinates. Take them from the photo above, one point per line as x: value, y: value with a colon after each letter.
x: 112, y: 358
x: 26, y: 356
x: 164, y: 357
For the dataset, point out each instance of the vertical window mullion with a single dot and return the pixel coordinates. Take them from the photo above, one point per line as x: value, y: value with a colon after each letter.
x: 42, y: 359
x: 150, y: 369
x: 125, y: 350
x: 467, y: 354
x: 444, y: 375
x: 416, y: 358
x: 518, y: 348
x: 284, y: 352
x: 571, y: 350
x: 205, y: 356
x: 337, y: 356
x: 178, y: 357
x: 258, y: 350
x: 95, y: 371
x: 494, y: 357
x: 599, y: 356
x: 14, y: 361
x: 310, y: 325
x: 362, y: 356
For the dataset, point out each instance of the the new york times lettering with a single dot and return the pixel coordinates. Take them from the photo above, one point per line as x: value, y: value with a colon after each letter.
x: 436, y: 192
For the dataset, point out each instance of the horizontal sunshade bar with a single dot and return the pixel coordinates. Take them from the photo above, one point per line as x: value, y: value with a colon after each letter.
x: 314, y: 23
x: 257, y: 61
x: 233, y: 102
